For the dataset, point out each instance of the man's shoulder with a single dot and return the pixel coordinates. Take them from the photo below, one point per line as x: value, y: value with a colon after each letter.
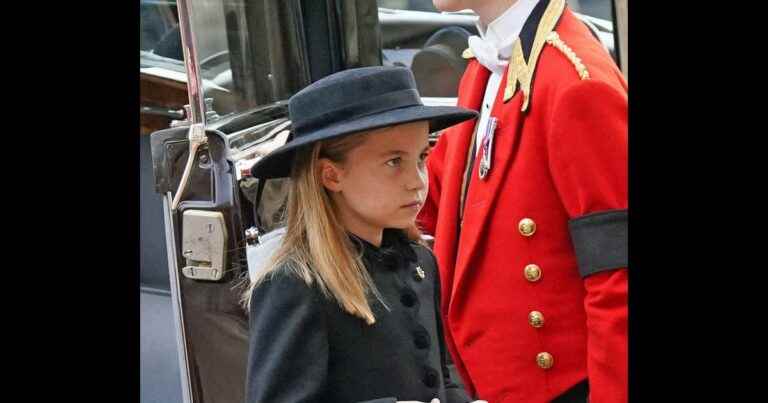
x: 572, y: 54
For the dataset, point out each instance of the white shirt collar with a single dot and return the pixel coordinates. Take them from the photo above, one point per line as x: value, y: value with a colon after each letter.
x: 504, y: 30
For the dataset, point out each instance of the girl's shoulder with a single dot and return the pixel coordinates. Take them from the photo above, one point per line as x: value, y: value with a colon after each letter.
x: 282, y: 302
x: 284, y: 284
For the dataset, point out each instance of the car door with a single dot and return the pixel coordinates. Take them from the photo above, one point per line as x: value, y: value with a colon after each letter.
x: 242, y: 60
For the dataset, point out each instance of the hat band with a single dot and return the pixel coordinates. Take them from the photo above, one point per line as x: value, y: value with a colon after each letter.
x: 369, y: 106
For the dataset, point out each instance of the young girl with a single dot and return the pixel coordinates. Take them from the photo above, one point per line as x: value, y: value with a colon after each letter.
x: 347, y: 309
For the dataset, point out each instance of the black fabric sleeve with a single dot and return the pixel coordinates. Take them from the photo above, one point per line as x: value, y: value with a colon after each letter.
x: 288, y: 343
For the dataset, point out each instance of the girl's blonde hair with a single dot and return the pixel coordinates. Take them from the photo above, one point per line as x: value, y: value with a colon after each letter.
x: 316, y: 246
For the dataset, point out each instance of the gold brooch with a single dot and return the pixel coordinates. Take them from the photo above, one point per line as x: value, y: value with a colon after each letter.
x: 420, y: 273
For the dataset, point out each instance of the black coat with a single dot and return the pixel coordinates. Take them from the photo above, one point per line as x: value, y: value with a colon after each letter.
x: 304, y: 348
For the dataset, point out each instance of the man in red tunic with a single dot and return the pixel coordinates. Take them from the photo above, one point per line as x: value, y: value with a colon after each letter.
x: 528, y: 206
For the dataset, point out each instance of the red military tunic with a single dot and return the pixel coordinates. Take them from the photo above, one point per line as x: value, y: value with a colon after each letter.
x: 529, y: 315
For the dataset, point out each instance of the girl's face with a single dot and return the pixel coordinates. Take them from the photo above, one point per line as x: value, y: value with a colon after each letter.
x: 381, y: 183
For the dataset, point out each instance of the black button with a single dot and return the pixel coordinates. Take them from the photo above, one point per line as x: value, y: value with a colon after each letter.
x: 421, y: 339
x: 408, y: 299
x: 430, y: 378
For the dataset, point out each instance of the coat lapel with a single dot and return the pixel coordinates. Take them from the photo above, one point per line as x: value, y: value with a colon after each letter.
x: 446, y: 235
x: 509, y: 107
x: 483, y: 193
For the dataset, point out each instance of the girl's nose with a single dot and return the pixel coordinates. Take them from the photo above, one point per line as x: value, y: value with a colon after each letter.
x: 418, y: 178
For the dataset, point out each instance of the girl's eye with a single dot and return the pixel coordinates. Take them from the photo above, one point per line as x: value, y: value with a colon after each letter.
x: 394, y: 162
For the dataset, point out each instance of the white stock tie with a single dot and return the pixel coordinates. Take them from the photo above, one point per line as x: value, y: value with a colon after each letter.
x: 487, y: 54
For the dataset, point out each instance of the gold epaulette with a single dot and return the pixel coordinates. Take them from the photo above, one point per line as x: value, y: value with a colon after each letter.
x: 467, y: 54
x: 554, y: 39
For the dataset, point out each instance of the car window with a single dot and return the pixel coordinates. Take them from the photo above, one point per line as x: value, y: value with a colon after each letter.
x: 158, y: 21
x: 414, y: 5
x: 602, y: 9
x: 430, y: 43
x: 248, y: 54
x: 160, y: 49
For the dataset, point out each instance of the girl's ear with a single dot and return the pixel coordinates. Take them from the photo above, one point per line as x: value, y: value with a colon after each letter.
x: 330, y: 174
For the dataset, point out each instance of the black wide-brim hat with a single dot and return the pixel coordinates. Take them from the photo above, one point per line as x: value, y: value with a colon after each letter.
x: 352, y: 101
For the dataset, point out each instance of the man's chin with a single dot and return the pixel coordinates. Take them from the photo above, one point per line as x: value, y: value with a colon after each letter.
x: 447, y: 5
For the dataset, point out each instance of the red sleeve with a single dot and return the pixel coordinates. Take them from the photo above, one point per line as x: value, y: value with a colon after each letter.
x: 587, y: 147
x: 427, y: 218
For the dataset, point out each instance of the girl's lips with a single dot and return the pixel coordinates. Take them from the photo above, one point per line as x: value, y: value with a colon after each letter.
x: 414, y: 204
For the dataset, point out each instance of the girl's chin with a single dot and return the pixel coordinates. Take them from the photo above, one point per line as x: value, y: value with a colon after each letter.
x: 402, y: 224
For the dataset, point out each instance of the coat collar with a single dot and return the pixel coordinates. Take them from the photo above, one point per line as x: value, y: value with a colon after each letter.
x: 395, y: 249
x: 527, y: 49
x: 505, y: 29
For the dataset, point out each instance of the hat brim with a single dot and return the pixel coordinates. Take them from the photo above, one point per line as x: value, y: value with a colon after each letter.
x: 277, y: 164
